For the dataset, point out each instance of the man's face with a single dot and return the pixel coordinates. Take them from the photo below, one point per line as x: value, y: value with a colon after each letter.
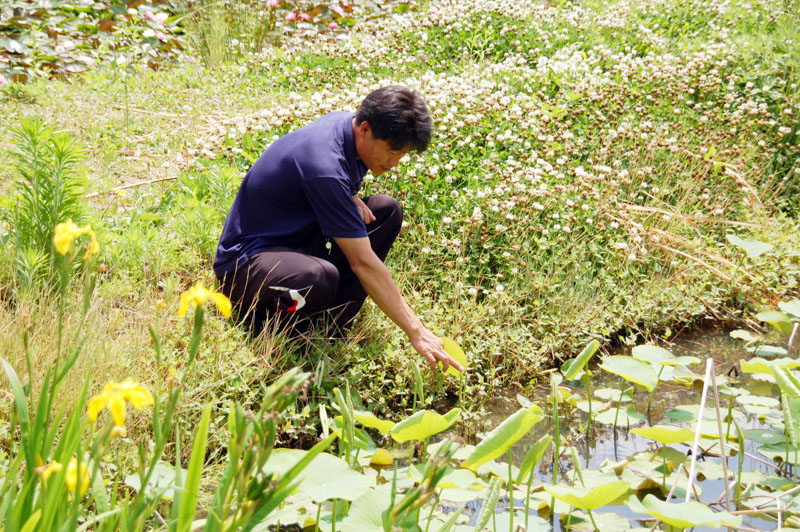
x: 376, y: 154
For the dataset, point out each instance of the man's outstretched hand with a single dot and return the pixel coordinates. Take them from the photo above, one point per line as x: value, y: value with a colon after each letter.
x: 431, y: 347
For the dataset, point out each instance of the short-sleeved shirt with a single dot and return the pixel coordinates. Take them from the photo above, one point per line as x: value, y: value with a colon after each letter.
x: 302, y: 183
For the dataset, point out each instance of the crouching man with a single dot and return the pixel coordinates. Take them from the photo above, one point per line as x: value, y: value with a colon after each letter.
x: 298, y: 242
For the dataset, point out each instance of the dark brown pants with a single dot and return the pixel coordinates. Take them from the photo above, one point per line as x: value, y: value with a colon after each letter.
x: 296, y: 285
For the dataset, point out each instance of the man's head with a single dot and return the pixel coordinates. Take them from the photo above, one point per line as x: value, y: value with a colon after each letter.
x: 391, y: 122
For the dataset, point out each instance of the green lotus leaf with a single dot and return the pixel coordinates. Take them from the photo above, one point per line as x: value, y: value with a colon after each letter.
x: 792, y: 308
x: 423, y: 424
x: 764, y: 436
x: 624, y: 418
x: 573, y: 367
x: 753, y: 248
x: 747, y: 336
x: 533, y: 456
x: 452, y: 348
x: 366, y: 513
x: 787, y: 382
x: 664, y: 434
x: 586, y: 499
x: 368, y: 419
x: 632, y: 370
x: 767, y: 350
x: 777, y: 319
x: 613, y: 394
x: 326, y: 477
x: 653, y: 354
x: 683, y: 514
x: 682, y: 361
x: 504, y: 436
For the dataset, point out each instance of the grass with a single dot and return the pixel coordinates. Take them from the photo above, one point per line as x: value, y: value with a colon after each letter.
x: 598, y: 108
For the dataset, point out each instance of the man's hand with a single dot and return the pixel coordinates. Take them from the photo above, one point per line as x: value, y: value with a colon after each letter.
x: 431, y: 347
x: 363, y: 210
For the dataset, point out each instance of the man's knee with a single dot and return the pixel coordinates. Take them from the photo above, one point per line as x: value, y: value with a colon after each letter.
x: 386, y: 210
x: 310, y: 290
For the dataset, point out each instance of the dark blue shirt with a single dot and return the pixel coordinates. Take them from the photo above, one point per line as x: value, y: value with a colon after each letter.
x: 304, y: 182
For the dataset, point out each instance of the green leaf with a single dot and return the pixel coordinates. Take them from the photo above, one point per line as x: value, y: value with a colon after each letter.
x: 194, y: 474
x: 683, y: 514
x: 792, y: 308
x: 423, y: 424
x: 747, y: 336
x: 764, y: 436
x: 533, y: 456
x: 366, y: 513
x: 489, y: 504
x: 791, y: 418
x: 576, y: 365
x: 589, y: 499
x: 787, y: 382
x: 368, y: 419
x: 767, y: 350
x: 655, y: 355
x: 753, y: 248
x: 454, y: 350
x: 777, y: 319
x: 664, y: 434
x: 21, y: 405
x: 504, y: 436
x: 325, y: 477
x: 631, y: 370
x: 33, y: 520
x: 625, y: 418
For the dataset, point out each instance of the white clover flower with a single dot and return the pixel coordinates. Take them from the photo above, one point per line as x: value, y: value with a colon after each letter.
x: 620, y: 245
x: 783, y: 130
x: 447, y: 220
x: 472, y: 291
x: 499, y: 289
x: 614, y: 225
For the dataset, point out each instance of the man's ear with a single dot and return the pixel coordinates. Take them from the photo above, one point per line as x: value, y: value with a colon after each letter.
x: 364, y: 128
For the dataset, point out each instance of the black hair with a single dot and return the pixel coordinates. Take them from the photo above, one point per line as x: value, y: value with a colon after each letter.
x: 397, y: 115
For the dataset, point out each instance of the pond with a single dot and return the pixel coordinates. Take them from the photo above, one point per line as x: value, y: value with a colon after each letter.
x: 604, y: 444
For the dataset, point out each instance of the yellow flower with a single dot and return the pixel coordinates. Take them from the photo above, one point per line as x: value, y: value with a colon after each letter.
x: 75, y: 480
x: 115, y: 396
x: 67, y: 232
x: 53, y: 467
x: 199, y: 295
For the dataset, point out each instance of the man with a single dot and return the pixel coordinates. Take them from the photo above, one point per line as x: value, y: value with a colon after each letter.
x: 299, y: 242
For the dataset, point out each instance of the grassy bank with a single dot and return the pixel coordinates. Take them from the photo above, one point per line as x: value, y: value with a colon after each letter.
x: 589, y: 163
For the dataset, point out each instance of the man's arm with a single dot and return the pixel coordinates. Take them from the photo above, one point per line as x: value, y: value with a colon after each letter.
x: 379, y: 285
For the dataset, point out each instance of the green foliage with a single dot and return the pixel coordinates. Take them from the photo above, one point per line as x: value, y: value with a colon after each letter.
x: 48, y: 188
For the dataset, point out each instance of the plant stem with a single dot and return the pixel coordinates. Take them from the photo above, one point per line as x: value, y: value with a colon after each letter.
x: 511, y: 494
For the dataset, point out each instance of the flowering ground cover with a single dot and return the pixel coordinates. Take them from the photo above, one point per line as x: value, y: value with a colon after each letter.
x: 599, y: 170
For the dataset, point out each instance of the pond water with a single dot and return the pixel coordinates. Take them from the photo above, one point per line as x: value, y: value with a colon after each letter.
x: 606, y: 443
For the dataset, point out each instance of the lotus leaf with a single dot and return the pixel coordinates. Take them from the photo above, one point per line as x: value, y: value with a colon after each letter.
x: 792, y: 308
x: 627, y: 417
x: 572, y: 368
x: 368, y: 419
x: 326, y: 477
x: 747, y: 336
x: 452, y: 348
x: 504, y: 436
x: 631, y: 370
x: 664, y: 434
x: 777, y: 319
x: 683, y: 514
x: 589, y: 499
x: 650, y: 353
x: 767, y: 350
x: 424, y: 424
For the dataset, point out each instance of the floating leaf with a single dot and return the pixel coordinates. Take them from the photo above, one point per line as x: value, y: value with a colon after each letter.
x: 664, y: 434
x: 454, y: 350
x: 504, y: 436
x: 767, y: 350
x: 753, y: 248
x: 423, y: 424
x: 325, y: 477
x: 625, y: 418
x: 586, y: 499
x: 764, y: 436
x: 631, y: 370
x: 574, y: 366
x: 747, y: 336
x: 777, y: 319
x: 614, y: 394
x: 382, y: 458
x: 368, y: 419
x: 683, y: 514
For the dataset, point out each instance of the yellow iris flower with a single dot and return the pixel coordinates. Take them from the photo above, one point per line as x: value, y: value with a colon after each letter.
x: 77, y: 480
x: 198, y: 295
x: 67, y: 232
x: 52, y: 467
x: 115, y: 396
